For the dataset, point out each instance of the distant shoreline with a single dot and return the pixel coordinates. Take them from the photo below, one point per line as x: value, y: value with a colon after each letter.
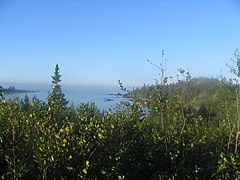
x: 15, y: 91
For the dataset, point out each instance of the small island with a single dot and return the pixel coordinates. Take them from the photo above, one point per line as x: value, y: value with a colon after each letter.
x: 13, y: 90
x: 115, y: 94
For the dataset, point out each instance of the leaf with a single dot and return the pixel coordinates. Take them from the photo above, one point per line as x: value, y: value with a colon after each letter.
x: 84, y: 171
x: 87, y: 163
x: 70, y: 157
x: 103, y: 172
x: 52, y: 158
x: 165, y: 80
x: 67, y: 129
x: 64, y: 140
x: 69, y: 168
x: 100, y: 136
x: 57, y: 136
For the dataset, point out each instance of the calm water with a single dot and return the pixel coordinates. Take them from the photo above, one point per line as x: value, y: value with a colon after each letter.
x: 101, y: 96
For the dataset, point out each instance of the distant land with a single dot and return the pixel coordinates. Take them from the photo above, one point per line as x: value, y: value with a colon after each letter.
x: 12, y: 90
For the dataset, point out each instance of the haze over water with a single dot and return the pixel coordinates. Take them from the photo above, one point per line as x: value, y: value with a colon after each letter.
x: 102, y: 96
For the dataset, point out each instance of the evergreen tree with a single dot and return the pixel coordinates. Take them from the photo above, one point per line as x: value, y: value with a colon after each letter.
x: 56, y: 99
x: 25, y: 103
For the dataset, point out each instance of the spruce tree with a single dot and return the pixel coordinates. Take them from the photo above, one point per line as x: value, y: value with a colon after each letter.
x: 56, y: 99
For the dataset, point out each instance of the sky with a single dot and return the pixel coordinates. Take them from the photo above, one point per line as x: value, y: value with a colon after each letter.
x: 98, y: 42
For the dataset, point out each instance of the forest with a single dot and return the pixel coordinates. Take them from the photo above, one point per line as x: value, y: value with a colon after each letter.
x: 191, y: 130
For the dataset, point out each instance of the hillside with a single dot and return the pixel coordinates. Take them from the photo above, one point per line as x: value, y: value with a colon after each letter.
x: 201, y: 94
x: 201, y: 88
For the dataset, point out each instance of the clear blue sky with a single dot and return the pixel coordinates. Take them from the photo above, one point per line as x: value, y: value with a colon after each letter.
x: 97, y: 42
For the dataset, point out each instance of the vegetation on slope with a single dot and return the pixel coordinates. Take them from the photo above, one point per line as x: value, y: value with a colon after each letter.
x: 171, y: 141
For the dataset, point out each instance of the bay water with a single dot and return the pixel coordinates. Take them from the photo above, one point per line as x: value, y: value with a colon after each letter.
x: 103, y: 96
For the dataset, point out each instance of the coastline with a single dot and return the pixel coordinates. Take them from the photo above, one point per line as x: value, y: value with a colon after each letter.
x: 15, y: 91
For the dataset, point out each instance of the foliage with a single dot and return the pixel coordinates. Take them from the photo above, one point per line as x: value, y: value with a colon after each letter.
x: 56, y: 99
x: 189, y: 131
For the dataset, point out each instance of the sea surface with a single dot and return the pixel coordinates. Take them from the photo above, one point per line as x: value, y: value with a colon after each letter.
x: 102, y: 96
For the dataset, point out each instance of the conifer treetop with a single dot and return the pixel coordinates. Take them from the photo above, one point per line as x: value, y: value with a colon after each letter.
x: 56, y: 77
